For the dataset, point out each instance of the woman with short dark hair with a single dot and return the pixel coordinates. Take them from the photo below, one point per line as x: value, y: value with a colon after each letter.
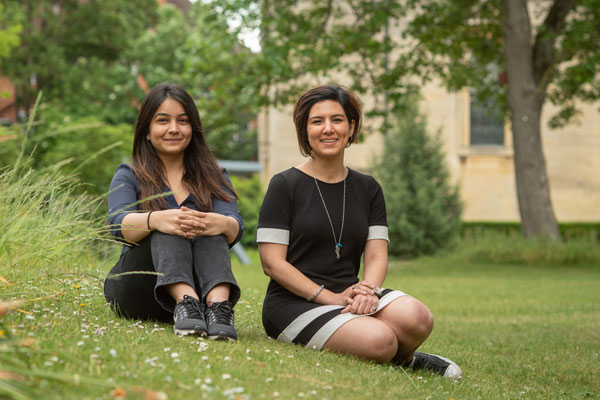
x: 316, y: 222
x: 176, y: 212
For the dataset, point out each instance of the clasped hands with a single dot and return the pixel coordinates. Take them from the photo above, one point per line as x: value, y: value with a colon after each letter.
x: 189, y: 223
x: 360, y: 298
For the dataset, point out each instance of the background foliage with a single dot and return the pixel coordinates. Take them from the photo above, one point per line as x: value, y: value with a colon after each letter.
x: 73, y: 52
x: 250, y: 192
x: 460, y: 42
x: 9, y: 31
x: 95, y: 60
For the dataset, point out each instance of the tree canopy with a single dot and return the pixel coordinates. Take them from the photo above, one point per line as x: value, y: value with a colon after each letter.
x: 389, y: 48
x: 9, y: 31
x: 383, y: 45
x: 97, y: 59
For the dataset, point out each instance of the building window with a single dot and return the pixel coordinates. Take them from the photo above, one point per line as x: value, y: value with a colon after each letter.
x: 487, y: 125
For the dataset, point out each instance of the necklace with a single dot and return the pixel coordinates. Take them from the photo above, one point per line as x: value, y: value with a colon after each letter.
x: 338, y: 244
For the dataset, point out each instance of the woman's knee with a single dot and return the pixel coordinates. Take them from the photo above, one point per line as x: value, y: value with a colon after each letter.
x: 372, y: 341
x: 212, y: 240
x: 419, y: 317
x: 383, y: 345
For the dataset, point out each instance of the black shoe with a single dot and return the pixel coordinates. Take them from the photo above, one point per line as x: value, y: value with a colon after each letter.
x: 219, y: 317
x: 436, y: 364
x: 189, y: 317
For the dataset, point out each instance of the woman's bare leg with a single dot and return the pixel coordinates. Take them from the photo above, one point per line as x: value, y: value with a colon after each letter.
x: 411, y: 321
x: 364, y: 337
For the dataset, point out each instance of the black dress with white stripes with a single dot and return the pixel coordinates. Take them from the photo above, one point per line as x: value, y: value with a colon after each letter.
x: 292, y: 214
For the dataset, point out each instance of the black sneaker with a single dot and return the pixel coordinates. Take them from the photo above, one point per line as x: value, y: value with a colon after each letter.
x: 189, y: 317
x: 219, y: 317
x: 436, y: 364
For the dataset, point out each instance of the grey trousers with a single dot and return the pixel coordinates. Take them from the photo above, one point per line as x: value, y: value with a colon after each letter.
x: 161, y: 259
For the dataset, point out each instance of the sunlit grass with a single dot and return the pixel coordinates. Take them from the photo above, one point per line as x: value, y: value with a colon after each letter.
x: 517, y: 330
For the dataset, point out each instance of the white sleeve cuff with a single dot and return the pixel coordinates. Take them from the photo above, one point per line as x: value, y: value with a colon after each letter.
x: 272, y: 235
x: 378, y: 232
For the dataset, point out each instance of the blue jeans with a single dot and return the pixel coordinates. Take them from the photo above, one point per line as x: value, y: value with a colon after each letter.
x: 202, y: 263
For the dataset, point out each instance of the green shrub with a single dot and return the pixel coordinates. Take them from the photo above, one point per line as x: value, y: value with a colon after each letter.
x: 569, y: 231
x: 95, y: 148
x: 86, y: 146
x: 423, y: 208
x: 251, y: 194
x: 496, y: 247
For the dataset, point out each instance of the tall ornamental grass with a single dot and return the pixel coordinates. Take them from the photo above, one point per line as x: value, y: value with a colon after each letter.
x: 41, y: 223
x: 46, y: 233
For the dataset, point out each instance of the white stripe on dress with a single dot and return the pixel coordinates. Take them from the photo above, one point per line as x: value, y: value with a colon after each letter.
x: 388, y: 298
x: 273, y: 235
x: 301, y: 321
x: 378, y: 232
x: 324, y: 333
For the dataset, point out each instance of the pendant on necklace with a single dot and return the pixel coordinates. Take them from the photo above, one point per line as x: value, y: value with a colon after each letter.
x: 338, y: 246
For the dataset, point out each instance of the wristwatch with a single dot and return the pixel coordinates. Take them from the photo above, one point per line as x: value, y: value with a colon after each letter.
x: 378, y: 292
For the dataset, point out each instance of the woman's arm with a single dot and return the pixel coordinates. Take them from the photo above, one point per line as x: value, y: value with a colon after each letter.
x: 273, y: 259
x: 376, y: 261
x: 136, y: 226
x: 199, y: 223
x: 122, y: 206
x: 183, y: 222
x: 232, y: 226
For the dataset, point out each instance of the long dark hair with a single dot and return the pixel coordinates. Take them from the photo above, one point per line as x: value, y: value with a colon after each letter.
x: 202, y: 175
x: 342, y: 95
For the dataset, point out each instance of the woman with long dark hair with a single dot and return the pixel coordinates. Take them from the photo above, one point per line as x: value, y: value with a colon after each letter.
x: 176, y: 212
x: 316, y: 222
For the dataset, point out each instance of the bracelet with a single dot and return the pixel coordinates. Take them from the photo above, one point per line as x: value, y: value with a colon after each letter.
x: 311, y: 298
x: 148, y: 220
x: 378, y: 292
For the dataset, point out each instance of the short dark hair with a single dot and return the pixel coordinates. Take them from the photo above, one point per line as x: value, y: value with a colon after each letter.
x: 349, y: 102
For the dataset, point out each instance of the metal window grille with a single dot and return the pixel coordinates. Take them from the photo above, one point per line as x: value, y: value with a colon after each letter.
x: 487, y: 125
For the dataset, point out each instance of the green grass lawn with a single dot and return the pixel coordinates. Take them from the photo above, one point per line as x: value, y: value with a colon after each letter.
x: 530, y: 332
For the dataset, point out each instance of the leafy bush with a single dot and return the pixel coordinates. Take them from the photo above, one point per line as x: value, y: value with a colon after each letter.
x: 94, y: 148
x: 569, y: 231
x: 498, y: 248
x: 423, y: 208
x: 87, y: 147
x: 251, y: 194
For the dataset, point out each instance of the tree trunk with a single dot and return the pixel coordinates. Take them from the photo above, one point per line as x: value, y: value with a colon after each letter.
x: 525, y: 101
